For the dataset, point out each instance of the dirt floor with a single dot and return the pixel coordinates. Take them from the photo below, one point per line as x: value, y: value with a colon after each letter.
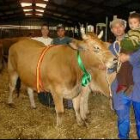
x: 22, y: 122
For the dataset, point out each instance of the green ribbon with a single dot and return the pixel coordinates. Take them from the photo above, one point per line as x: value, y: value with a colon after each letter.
x: 86, y: 78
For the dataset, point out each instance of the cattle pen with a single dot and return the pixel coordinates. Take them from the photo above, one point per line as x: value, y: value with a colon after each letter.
x: 73, y: 68
x: 22, y: 122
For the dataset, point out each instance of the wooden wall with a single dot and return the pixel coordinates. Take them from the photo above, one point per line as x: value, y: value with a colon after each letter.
x: 32, y: 28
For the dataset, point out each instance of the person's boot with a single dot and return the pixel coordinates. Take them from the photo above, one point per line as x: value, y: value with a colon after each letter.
x: 69, y: 104
x: 46, y: 99
x: 51, y: 102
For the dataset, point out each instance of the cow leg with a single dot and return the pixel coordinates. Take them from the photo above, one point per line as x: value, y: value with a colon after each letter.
x: 31, y: 97
x: 13, y: 79
x: 82, y: 109
x: 59, y: 107
x: 84, y: 103
x: 76, y: 105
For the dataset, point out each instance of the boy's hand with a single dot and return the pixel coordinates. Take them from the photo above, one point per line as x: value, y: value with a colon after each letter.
x: 124, y: 57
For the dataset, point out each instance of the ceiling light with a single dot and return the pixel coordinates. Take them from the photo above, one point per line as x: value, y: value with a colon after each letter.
x: 39, y: 10
x: 28, y: 14
x: 39, y: 14
x: 24, y: 4
x: 46, y: 0
x: 41, y: 5
x: 27, y: 10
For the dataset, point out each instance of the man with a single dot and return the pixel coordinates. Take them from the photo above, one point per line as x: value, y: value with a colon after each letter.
x: 126, y: 86
x: 45, y: 98
x: 44, y: 38
x: 62, y: 39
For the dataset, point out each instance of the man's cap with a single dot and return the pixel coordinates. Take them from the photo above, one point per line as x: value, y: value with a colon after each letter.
x: 118, y: 20
x: 60, y: 26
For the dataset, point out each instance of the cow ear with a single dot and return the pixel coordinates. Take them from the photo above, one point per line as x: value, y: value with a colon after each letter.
x: 78, y: 45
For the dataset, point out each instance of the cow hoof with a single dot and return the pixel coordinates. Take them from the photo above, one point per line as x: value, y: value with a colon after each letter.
x: 86, y: 124
x: 84, y: 118
x: 81, y: 123
x: 88, y: 113
x: 87, y: 121
x: 11, y: 105
x: 33, y: 107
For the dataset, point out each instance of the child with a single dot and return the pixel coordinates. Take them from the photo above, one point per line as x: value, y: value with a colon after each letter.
x: 131, y: 41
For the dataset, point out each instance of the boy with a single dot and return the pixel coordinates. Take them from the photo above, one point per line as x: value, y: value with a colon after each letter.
x: 131, y: 42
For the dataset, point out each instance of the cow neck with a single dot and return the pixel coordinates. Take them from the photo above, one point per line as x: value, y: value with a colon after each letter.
x: 86, y: 78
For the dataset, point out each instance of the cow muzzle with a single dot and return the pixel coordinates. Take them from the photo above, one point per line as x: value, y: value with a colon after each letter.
x: 112, y: 63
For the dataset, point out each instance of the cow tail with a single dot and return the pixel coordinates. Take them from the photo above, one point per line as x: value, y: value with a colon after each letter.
x: 18, y: 86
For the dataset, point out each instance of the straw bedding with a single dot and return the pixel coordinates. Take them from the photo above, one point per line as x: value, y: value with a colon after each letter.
x: 22, y: 122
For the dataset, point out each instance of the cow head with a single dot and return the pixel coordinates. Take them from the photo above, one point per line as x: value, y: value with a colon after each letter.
x: 96, y: 49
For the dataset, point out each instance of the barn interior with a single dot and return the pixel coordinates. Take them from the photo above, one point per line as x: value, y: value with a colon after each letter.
x: 23, y: 18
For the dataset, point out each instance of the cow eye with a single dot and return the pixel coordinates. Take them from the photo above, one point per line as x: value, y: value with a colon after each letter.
x: 96, y: 49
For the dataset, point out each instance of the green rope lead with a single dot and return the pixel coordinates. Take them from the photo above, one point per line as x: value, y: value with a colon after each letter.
x: 86, y: 78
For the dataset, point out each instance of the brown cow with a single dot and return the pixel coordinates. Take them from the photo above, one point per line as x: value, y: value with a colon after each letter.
x: 60, y: 72
x: 1, y: 57
x: 5, y: 44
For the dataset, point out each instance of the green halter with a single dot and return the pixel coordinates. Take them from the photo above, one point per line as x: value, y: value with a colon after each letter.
x: 86, y: 78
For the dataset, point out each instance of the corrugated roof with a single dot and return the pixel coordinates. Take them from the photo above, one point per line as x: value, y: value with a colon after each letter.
x: 68, y: 10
